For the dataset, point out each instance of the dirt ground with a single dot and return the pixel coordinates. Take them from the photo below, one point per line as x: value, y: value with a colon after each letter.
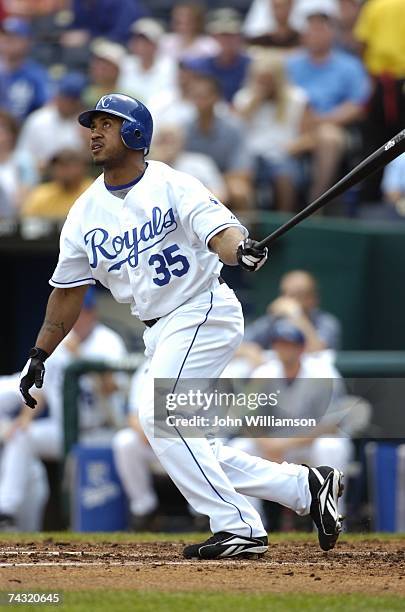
x: 372, y: 567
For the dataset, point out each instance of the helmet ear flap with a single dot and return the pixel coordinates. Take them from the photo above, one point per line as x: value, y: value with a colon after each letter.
x: 132, y: 136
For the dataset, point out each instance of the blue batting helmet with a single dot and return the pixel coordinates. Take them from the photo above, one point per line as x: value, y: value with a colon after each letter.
x: 137, y: 127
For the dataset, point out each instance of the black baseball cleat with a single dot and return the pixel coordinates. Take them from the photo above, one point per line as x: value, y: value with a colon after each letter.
x: 224, y: 545
x: 326, y: 486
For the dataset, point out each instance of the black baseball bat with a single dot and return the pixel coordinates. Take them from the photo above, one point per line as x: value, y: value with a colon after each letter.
x: 372, y: 163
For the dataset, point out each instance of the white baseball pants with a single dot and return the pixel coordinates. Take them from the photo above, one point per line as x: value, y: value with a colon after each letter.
x: 198, y: 340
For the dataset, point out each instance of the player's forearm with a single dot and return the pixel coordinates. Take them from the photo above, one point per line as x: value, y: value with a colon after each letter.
x: 62, y: 311
x: 225, y: 244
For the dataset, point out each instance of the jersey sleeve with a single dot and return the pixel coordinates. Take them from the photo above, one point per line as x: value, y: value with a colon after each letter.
x: 73, y: 267
x: 202, y: 214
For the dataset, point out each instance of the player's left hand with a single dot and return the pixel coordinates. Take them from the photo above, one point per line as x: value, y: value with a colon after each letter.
x: 249, y: 256
x: 33, y: 373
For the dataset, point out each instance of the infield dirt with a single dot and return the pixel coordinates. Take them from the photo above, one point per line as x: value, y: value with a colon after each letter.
x: 371, y: 567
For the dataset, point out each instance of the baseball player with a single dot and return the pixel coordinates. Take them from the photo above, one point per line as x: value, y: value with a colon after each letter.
x: 157, y: 238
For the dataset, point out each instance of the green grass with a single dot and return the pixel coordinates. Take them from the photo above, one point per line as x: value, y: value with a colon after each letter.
x: 128, y: 601
x: 119, y: 536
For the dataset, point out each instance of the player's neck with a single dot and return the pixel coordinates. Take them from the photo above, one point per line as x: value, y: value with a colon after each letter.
x: 116, y: 175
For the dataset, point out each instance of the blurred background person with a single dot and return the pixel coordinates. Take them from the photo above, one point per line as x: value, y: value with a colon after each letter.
x: 299, y: 303
x: 283, y: 33
x: 104, y: 70
x: 55, y: 127
x: 17, y: 169
x: 23, y: 493
x: 308, y: 388
x: 32, y: 436
x: 174, y: 106
x: 348, y: 15
x: 135, y: 462
x: 221, y: 137
x: 230, y: 63
x: 146, y: 72
x: 187, y: 40
x: 393, y: 184
x: 69, y: 177
x: 275, y: 114
x: 380, y: 30
x: 101, y: 18
x: 24, y: 84
x: 168, y: 147
x: 337, y: 88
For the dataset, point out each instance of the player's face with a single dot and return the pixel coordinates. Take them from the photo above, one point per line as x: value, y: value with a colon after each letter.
x: 105, y: 141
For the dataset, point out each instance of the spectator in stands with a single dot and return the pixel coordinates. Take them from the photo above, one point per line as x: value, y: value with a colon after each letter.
x: 221, y: 137
x: 393, y: 184
x: 282, y: 35
x: 24, y: 84
x: 274, y: 113
x: 337, y: 87
x: 380, y: 30
x: 187, y: 39
x: 17, y: 169
x: 68, y: 170
x: 145, y: 71
x: 230, y: 64
x: 174, y: 107
x: 168, y: 147
x: 104, y: 70
x: 30, y: 438
x: 348, y: 15
x: 102, y: 18
x: 302, y: 393
x: 298, y: 302
x: 55, y: 127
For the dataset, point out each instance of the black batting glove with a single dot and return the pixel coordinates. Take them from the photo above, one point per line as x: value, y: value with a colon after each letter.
x: 33, y: 373
x: 251, y: 258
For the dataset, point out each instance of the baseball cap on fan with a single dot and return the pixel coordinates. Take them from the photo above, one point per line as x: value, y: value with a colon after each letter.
x: 324, y: 8
x: 109, y: 51
x: 283, y: 329
x: 224, y: 21
x: 148, y: 28
x: 71, y: 85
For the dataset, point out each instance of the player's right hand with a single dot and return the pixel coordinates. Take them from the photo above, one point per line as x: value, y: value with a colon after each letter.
x: 33, y: 373
x: 250, y: 257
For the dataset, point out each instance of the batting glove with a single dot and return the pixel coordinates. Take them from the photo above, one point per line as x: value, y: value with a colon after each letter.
x: 33, y: 373
x: 249, y: 256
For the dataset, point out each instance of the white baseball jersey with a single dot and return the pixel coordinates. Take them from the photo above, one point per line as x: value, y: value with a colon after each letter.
x: 149, y: 249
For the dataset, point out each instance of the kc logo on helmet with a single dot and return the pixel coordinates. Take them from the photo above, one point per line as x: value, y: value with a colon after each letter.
x: 105, y: 101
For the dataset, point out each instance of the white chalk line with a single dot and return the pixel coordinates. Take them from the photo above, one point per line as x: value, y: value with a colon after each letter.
x: 85, y: 553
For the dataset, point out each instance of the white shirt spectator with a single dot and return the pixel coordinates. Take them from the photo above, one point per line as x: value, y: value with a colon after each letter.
x: 102, y: 343
x: 268, y: 136
x: 45, y: 133
x: 202, y: 46
x: 260, y: 19
x: 144, y: 84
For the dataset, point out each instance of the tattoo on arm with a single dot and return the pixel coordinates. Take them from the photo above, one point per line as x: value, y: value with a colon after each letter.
x: 53, y: 326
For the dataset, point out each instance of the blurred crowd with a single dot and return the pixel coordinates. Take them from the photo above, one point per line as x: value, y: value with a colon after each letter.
x: 267, y: 103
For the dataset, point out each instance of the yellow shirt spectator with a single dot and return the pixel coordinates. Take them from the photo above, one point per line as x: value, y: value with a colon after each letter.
x: 54, y: 199
x: 381, y: 28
